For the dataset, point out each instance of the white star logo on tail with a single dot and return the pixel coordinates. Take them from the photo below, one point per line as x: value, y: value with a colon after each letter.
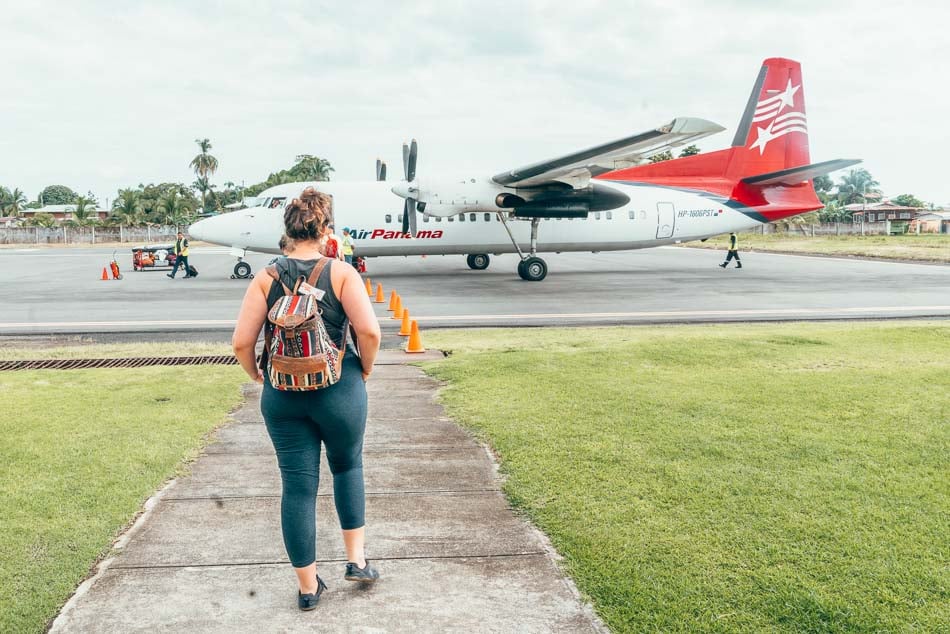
x: 780, y: 124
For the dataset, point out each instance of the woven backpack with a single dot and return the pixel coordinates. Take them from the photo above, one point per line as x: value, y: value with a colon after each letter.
x: 301, y: 356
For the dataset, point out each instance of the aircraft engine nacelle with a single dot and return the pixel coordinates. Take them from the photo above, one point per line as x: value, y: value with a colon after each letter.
x: 562, y: 201
x: 447, y: 198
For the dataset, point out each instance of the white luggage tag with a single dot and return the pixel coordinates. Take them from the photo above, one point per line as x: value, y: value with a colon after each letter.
x: 311, y: 290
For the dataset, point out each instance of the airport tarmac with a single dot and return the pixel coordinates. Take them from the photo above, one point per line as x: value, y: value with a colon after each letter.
x: 59, y: 290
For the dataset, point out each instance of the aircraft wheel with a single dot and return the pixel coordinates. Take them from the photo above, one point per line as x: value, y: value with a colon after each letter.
x: 242, y: 270
x: 478, y: 261
x: 533, y: 269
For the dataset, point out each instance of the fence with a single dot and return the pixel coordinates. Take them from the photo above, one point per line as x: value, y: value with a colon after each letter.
x: 86, y: 235
x: 97, y: 235
x: 833, y: 229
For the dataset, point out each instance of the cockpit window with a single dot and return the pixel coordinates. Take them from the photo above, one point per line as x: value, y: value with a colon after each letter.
x: 275, y: 203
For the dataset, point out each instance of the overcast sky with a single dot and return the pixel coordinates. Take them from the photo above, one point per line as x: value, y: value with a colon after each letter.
x: 103, y: 95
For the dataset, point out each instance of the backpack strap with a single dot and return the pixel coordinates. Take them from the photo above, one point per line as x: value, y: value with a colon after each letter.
x: 317, y: 270
x: 274, y: 273
x: 268, y: 329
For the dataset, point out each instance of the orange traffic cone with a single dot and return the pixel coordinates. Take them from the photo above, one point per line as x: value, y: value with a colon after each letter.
x: 369, y: 288
x: 415, y: 340
x: 380, y: 298
x: 406, y: 328
x: 105, y: 274
x: 392, y: 301
x: 397, y: 313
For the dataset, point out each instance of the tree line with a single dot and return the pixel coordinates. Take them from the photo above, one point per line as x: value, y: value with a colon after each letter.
x: 158, y: 203
x: 179, y: 203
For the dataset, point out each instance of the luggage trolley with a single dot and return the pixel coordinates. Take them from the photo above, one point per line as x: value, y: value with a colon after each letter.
x: 152, y: 256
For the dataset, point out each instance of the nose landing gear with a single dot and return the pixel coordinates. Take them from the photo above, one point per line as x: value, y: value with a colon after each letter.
x: 531, y: 268
x: 242, y: 270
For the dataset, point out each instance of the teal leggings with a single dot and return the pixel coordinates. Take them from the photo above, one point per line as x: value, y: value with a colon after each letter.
x: 297, y: 422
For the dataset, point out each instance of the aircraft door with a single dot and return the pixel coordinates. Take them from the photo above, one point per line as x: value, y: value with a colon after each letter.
x: 665, y: 220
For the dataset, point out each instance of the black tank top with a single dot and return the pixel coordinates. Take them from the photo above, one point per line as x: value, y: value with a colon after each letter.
x: 330, y: 306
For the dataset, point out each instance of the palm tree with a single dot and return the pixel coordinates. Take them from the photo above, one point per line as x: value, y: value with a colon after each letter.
x: 855, y: 186
x: 11, y: 202
x: 204, y: 165
x: 173, y: 209
x: 127, y: 208
x: 311, y: 168
x: 84, y: 213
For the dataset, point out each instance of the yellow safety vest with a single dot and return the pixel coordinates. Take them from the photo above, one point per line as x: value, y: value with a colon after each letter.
x: 181, y: 247
x: 347, y: 245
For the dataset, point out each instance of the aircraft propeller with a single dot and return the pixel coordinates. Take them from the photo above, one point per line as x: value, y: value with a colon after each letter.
x: 409, y: 154
x: 380, y: 170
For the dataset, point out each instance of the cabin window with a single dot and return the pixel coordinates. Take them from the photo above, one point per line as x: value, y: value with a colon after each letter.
x: 389, y: 218
x: 472, y: 217
x: 632, y: 214
x: 610, y: 215
x: 425, y: 217
x: 487, y: 217
x: 438, y: 218
x: 399, y: 218
x: 461, y: 217
x: 596, y: 215
x: 643, y: 215
x: 451, y: 218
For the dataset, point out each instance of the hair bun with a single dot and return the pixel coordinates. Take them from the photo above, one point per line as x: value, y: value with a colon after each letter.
x: 309, y: 196
x: 307, y: 216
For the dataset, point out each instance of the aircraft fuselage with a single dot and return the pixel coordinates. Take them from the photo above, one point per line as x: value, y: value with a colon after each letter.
x: 653, y: 216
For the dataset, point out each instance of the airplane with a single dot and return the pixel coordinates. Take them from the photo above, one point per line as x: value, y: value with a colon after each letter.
x: 605, y: 198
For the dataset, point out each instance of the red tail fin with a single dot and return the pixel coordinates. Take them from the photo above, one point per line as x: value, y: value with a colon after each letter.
x: 773, y: 131
x: 772, y: 137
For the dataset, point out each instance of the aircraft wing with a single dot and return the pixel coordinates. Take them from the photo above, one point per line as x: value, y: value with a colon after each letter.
x: 576, y: 169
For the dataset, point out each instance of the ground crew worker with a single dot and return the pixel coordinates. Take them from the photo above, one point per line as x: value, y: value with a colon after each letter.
x: 733, y: 251
x: 181, y: 256
x: 347, y: 243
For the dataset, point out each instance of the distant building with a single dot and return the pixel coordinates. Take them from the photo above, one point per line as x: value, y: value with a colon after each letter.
x: 60, y: 212
x: 884, y: 210
x: 934, y: 221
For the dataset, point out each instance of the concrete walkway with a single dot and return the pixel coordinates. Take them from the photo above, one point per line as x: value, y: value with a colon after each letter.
x: 207, y: 555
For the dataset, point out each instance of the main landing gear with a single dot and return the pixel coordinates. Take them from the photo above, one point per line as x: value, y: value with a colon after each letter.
x: 478, y: 261
x: 531, y: 268
x: 242, y: 270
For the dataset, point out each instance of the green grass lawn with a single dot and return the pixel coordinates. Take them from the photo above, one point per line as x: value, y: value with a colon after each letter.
x: 81, y: 451
x: 89, y: 350
x: 789, y: 478
x: 926, y: 247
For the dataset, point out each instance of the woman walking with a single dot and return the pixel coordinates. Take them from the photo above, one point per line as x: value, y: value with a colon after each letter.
x: 298, y: 421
